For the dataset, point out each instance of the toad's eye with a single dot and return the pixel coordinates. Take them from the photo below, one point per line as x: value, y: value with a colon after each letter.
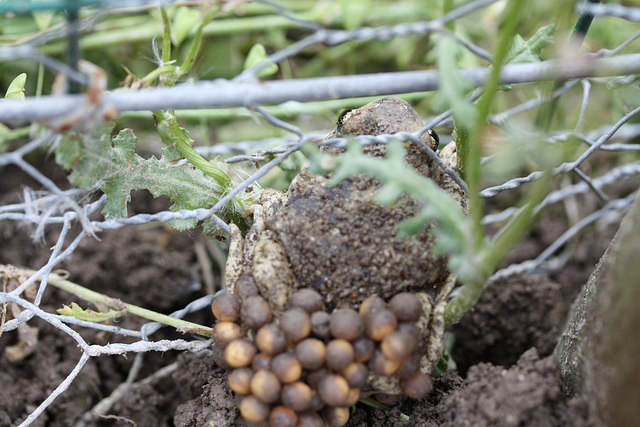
x: 342, y: 117
x: 432, y: 133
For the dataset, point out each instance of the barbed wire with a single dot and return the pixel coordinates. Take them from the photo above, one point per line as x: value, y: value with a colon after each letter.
x: 56, y: 207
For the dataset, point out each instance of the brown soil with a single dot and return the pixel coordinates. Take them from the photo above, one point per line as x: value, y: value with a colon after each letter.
x: 503, y: 345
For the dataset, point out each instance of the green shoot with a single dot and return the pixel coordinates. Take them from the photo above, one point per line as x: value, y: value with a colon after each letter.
x: 89, y: 315
x: 370, y: 401
x: 116, y: 304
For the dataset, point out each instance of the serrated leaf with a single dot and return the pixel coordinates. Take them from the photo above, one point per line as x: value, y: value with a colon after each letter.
x: 16, y: 88
x: 529, y: 51
x: 87, y: 156
x: 118, y: 170
x: 256, y: 55
x: 89, y: 315
x: 185, y: 21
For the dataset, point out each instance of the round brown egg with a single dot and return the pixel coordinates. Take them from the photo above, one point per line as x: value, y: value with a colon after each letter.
x: 225, y: 332
x: 297, y: 396
x: 239, y: 353
x: 311, y: 353
x: 335, y: 417
x: 398, y: 345
x: 261, y: 361
x: 266, y: 386
x: 381, y: 365
x: 255, y: 312
x: 271, y: 340
x: 306, y: 299
x: 345, y: 323
x: 334, y: 390
x: 240, y: 380
x: 226, y: 308
x: 406, y: 307
x: 296, y: 324
x: 253, y: 410
x: 380, y: 323
x: 286, y: 367
x: 340, y: 354
x: 370, y: 305
x: 310, y: 419
x: 417, y: 386
x: 356, y: 374
x: 320, y: 324
x: 281, y: 416
x: 363, y: 349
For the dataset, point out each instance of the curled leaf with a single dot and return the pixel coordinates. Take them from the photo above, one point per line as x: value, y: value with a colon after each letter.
x: 256, y: 55
x: 16, y: 88
x: 89, y: 315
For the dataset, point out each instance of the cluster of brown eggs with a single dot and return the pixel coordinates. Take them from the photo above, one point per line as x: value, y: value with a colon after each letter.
x: 306, y: 367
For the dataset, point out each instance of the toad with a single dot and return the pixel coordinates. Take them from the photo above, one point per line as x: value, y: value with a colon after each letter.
x: 341, y: 243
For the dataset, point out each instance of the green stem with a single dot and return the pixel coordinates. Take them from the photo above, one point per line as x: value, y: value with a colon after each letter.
x: 197, y: 42
x: 166, y: 35
x: 547, y: 110
x: 447, y: 7
x: 101, y: 299
x: 509, y: 22
x: 158, y: 72
x: 12, y: 134
x: 583, y: 24
x: 488, y: 255
x: 493, y: 254
x: 171, y: 133
x: 40, y: 80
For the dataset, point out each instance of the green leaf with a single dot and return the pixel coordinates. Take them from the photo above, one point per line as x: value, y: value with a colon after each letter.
x: 89, y: 315
x: 16, y: 88
x: 185, y: 22
x: 354, y: 12
x: 43, y: 18
x: 529, y: 51
x: 446, y: 362
x: 256, y: 55
x: 454, y: 88
x: 118, y: 170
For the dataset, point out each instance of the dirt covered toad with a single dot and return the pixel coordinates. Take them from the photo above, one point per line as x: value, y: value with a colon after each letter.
x: 339, y: 249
